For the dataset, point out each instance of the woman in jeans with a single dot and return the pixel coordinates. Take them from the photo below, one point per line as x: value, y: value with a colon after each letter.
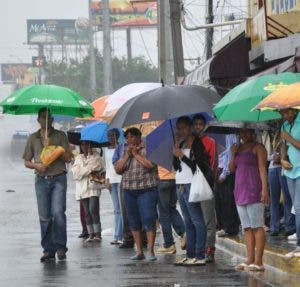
x: 139, y: 184
x: 113, y: 181
x: 87, y: 163
x: 249, y: 162
x: 189, y: 154
x: 291, y: 135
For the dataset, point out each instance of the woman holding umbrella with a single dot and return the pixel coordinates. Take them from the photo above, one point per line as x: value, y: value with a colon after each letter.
x: 189, y: 154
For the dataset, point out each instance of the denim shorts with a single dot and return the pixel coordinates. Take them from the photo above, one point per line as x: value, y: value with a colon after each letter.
x: 251, y: 215
x: 141, y: 208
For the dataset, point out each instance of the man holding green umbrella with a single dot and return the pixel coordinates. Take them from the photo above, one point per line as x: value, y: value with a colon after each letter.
x: 50, y: 186
x: 50, y: 183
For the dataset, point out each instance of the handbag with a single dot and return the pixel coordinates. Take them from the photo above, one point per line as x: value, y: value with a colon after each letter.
x: 200, y: 189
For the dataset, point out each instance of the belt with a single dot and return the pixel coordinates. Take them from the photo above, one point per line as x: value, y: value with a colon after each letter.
x: 51, y: 176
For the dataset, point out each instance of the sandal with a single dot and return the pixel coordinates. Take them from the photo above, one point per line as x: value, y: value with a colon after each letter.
x: 137, y: 257
x: 241, y: 266
x: 254, y: 267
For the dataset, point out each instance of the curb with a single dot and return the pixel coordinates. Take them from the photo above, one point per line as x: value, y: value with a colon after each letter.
x: 274, y: 257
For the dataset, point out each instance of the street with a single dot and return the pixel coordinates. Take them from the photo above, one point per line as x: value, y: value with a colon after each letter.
x: 93, y: 264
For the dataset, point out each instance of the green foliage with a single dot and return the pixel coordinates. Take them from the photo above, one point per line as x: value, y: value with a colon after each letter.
x: 76, y: 75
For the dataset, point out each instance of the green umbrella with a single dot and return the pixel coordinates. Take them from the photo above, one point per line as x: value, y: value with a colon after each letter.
x: 238, y: 104
x: 59, y: 100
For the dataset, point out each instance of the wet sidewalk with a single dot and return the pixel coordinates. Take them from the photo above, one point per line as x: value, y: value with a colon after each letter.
x: 281, y: 269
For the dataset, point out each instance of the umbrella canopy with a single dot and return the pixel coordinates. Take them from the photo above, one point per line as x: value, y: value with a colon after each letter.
x: 286, y: 97
x: 238, y: 104
x: 165, y: 103
x: 99, y: 106
x: 159, y: 142
x: 121, y: 96
x: 97, y: 132
x: 60, y: 101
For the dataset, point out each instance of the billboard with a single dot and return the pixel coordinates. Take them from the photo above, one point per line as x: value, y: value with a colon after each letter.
x: 124, y: 13
x: 57, y: 32
x: 22, y: 74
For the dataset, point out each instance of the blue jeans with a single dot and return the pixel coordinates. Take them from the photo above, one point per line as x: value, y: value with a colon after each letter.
x: 92, y: 214
x: 277, y: 183
x: 115, y: 196
x: 294, y: 189
x: 194, y: 223
x: 168, y: 213
x: 51, y: 201
x: 141, y: 208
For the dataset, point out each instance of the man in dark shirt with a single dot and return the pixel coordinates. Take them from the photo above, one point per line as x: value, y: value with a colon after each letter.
x: 50, y: 186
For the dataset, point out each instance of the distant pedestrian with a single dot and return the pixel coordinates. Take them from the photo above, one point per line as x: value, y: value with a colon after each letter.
x: 85, y: 166
x: 189, y: 153
x: 139, y: 184
x: 113, y: 182
x: 50, y: 186
x: 249, y: 162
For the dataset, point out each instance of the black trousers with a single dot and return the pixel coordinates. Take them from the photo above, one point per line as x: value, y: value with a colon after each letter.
x: 227, y: 216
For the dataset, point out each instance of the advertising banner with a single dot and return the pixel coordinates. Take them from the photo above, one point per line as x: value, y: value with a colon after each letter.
x: 124, y: 13
x: 22, y: 74
x: 57, y: 32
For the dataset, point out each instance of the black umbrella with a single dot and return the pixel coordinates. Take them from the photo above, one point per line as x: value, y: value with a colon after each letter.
x: 165, y: 103
x: 234, y: 127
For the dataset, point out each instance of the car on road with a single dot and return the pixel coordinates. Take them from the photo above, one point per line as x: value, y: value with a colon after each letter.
x: 18, y: 143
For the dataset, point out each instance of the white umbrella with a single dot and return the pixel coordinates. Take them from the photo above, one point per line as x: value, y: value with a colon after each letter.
x: 121, y: 96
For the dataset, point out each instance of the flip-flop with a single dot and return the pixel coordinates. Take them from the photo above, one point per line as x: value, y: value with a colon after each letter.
x: 241, y: 266
x: 254, y: 267
x: 137, y: 257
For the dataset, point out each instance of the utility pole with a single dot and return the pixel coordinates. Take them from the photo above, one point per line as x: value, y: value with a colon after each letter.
x: 107, y: 66
x: 209, y: 32
x: 93, y: 84
x: 41, y: 69
x: 128, y: 39
x: 165, y: 51
x: 175, y: 14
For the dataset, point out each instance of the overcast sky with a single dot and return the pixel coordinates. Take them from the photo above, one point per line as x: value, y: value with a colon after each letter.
x: 14, y: 13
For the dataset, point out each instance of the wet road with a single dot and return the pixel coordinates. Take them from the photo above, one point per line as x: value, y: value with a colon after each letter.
x: 87, y: 264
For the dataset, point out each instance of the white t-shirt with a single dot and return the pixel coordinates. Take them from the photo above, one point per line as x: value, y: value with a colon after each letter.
x: 110, y: 170
x: 185, y: 175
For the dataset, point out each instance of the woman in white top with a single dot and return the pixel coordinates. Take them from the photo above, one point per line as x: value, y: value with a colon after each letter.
x: 113, y: 181
x: 86, y: 164
x: 189, y: 154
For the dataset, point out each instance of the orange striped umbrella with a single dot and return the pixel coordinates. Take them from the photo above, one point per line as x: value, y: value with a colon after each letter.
x: 99, y: 106
x: 286, y: 97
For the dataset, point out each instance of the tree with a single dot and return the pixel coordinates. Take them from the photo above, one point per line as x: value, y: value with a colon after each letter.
x: 75, y: 75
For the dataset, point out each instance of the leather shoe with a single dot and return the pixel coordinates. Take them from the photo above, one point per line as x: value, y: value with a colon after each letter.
x: 126, y: 245
x: 61, y: 254
x: 83, y: 235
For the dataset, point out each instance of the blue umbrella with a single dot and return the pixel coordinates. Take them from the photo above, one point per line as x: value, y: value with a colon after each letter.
x: 97, y: 132
x: 160, y: 142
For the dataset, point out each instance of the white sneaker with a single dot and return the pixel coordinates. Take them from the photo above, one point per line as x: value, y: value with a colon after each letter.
x: 292, y: 237
x: 294, y: 253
